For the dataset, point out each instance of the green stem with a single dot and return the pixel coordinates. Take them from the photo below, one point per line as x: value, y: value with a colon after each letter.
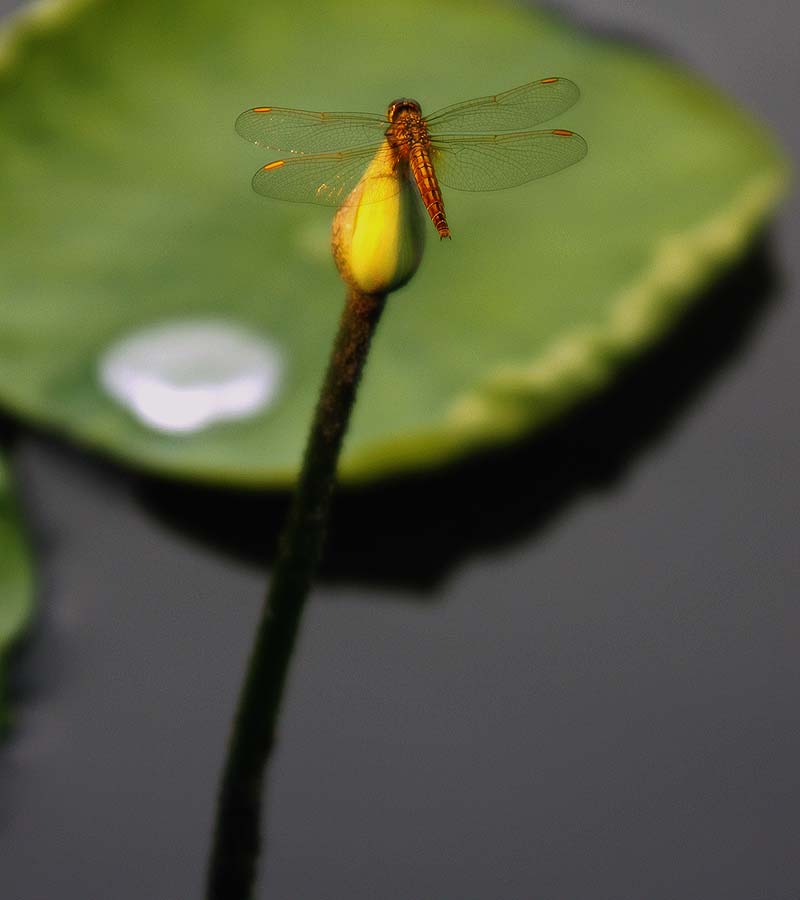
x: 237, y: 833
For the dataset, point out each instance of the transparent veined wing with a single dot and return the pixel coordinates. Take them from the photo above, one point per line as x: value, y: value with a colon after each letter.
x: 327, y: 178
x: 299, y: 131
x: 491, y: 162
x: 512, y: 110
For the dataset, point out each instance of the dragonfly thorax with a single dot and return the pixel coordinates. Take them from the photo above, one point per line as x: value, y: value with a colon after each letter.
x: 406, y: 128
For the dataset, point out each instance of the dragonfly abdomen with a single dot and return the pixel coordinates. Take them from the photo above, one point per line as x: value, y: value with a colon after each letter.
x: 428, y: 185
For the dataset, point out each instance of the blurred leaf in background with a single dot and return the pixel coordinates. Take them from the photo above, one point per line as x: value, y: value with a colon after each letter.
x: 16, y: 583
x: 128, y: 208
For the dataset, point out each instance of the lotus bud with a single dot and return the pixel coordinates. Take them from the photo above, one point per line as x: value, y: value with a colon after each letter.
x: 379, y: 230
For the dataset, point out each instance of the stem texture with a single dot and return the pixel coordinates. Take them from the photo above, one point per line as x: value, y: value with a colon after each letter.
x: 237, y: 838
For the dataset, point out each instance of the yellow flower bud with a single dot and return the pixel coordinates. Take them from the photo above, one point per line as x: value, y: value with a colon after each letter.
x: 379, y: 231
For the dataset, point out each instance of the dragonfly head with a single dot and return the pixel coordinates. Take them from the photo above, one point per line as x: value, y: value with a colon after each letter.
x: 401, y: 108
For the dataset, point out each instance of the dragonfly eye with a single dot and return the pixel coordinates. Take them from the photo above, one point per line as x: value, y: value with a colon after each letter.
x: 403, y: 105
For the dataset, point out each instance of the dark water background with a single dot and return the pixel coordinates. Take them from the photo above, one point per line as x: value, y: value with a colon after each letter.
x: 582, y: 684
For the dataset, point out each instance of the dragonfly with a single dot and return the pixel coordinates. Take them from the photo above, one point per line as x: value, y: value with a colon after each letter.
x: 476, y: 145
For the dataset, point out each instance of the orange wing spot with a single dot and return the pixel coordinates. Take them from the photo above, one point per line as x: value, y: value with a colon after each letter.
x: 274, y: 165
x: 263, y: 109
x: 548, y: 81
x: 562, y: 133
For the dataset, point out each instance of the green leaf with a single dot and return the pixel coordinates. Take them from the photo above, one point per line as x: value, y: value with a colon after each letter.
x: 127, y: 204
x: 16, y: 582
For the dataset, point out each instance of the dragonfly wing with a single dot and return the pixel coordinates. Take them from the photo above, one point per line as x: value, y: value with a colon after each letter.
x: 512, y: 110
x: 492, y: 162
x: 326, y: 178
x: 299, y: 131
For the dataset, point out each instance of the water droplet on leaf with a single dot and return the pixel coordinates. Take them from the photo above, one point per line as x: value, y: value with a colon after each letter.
x: 181, y: 377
